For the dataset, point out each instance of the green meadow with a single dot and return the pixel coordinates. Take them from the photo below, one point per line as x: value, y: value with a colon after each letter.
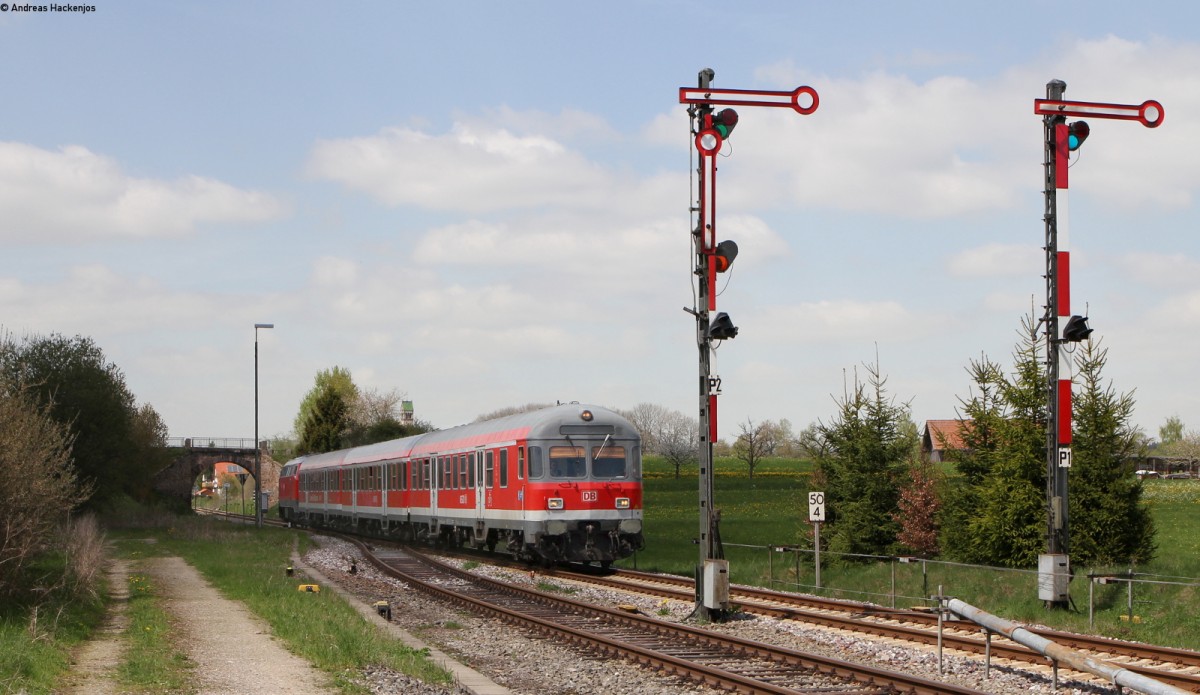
x: 767, y: 539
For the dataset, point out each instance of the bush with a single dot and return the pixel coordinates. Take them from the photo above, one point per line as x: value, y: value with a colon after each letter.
x: 38, y: 484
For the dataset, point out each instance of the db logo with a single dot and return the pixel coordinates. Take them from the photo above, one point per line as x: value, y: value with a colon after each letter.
x: 590, y: 495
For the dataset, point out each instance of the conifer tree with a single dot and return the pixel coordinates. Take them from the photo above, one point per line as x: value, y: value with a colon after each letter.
x: 1110, y: 524
x: 864, y: 451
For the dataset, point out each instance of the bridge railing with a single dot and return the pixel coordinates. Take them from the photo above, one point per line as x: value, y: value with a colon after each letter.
x: 217, y: 443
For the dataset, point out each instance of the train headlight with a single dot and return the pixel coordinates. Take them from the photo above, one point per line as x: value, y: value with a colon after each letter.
x: 622, y: 503
x: 554, y: 503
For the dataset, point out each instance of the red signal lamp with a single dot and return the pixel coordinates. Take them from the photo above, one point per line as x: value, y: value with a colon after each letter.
x: 1077, y: 132
x: 723, y: 256
x: 724, y: 121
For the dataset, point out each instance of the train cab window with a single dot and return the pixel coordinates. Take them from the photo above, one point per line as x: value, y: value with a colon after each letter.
x: 535, y: 463
x: 567, y: 462
x: 520, y: 462
x: 608, y: 462
x: 489, y: 470
x: 504, y: 468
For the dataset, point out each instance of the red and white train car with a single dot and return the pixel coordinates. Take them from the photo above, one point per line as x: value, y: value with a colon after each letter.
x: 562, y: 484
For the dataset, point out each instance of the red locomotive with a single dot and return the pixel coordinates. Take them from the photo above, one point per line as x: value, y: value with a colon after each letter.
x: 561, y: 484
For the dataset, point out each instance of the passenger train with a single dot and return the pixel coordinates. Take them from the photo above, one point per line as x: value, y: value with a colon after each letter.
x: 561, y: 484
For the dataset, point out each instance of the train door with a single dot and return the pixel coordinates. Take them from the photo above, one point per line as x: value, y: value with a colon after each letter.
x: 437, y: 463
x: 480, y: 494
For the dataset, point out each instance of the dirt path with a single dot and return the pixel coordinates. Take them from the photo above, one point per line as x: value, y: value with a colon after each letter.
x: 234, y: 649
x: 97, y: 660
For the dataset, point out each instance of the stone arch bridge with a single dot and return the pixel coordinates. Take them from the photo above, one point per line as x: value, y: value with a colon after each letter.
x: 194, y: 455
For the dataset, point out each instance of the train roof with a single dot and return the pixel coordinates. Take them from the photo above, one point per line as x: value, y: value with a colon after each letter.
x: 555, y: 421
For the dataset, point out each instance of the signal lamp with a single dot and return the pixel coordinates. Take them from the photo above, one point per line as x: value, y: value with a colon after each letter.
x: 724, y: 121
x: 1077, y: 132
x: 724, y: 255
x: 721, y: 328
x: 1076, y: 330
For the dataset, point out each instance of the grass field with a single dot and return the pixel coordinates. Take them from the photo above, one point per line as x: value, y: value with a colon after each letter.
x: 772, y: 510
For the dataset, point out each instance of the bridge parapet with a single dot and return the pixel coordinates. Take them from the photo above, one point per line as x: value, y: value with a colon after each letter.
x: 217, y: 443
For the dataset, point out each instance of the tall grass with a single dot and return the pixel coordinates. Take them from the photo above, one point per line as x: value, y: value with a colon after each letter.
x: 760, y: 517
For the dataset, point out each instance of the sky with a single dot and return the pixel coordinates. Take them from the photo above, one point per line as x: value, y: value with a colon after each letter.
x: 484, y: 204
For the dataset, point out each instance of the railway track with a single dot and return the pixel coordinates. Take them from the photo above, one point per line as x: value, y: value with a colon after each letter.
x: 706, y: 657
x: 1177, y: 667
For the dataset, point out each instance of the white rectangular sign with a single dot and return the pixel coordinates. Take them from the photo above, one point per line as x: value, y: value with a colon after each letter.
x: 816, y: 506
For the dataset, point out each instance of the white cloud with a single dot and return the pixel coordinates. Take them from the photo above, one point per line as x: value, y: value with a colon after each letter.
x: 996, y: 260
x: 473, y: 168
x: 841, y: 320
x: 74, y: 194
x: 1160, y: 269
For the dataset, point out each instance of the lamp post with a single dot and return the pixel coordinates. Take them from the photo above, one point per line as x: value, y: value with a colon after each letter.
x: 258, y: 512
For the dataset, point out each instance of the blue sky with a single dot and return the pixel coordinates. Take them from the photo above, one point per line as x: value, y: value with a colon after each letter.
x: 484, y: 204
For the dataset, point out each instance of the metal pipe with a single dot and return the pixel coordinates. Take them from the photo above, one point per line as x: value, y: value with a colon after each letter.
x: 1058, y: 653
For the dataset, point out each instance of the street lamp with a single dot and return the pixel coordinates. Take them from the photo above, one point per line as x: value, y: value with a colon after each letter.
x: 258, y: 512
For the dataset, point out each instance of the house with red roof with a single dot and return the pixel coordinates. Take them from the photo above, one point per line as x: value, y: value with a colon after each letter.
x: 943, y: 436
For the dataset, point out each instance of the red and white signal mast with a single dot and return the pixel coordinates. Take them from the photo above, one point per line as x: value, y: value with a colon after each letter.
x: 710, y: 129
x: 1061, y: 139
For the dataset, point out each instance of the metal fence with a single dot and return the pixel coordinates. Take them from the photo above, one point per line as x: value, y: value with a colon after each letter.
x: 889, y: 580
x: 217, y: 443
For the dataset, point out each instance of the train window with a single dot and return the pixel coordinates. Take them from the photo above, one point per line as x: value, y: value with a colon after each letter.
x: 535, y: 462
x: 489, y: 471
x: 463, y: 464
x: 520, y: 462
x: 608, y: 462
x: 504, y: 468
x: 567, y: 462
x: 472, y: 462
x: 425, y: 474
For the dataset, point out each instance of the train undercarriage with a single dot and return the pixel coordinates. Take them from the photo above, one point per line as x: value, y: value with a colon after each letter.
x: 598, y: 542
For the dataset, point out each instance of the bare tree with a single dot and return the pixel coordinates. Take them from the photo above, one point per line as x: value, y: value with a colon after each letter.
x: 373, y: 406
x: 679, y: 440
x: 649, y: 420
x: 755, y: 442
x: 38, y: 482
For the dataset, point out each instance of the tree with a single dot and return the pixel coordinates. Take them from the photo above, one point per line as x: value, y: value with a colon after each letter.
x: 1006, y: 524
x: 862, y: 461
x: 649, y: 419
x: 1171, y: 431
x: 1110, y: 524
x: 85, y: 393
x: 327, y: 422
x: 373, y: 418
x: 918, y: 507
x: 754, y: 443
x: 679, y: 440
x: 39, y: 485
x: 336, y: 380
